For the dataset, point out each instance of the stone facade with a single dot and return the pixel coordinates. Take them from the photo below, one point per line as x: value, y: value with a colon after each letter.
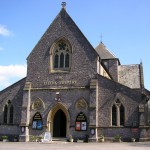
x: 78, y: 100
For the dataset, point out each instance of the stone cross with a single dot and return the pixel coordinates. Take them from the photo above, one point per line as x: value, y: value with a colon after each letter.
x: 63, y: 4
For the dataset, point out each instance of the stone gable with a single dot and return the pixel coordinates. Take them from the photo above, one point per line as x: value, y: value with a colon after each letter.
x: 83, y: 57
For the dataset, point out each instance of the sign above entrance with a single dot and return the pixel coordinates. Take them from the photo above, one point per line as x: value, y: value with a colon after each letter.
x: 70, y: 82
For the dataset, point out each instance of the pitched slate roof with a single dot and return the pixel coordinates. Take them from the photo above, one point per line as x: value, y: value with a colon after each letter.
x: 103, y: 52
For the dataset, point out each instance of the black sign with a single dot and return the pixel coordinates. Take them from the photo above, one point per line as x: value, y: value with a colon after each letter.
x: 37, y: 123
x: 81, y: 122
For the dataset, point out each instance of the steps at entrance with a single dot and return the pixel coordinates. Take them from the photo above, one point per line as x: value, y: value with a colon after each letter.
x: 57, y: 139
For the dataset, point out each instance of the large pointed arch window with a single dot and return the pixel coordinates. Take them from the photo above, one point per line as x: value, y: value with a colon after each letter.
x: 8, y: 113
x: 118, y: 113
x: 61, y: 56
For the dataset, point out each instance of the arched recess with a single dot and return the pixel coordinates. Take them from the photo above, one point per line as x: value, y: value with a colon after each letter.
x: 51, y: 115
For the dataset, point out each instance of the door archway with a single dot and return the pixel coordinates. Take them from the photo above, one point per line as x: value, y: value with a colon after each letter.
x: 59, y: 124
x: 59, y: 117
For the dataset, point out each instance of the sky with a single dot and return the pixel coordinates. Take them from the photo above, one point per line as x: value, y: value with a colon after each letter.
x: 124, y: 26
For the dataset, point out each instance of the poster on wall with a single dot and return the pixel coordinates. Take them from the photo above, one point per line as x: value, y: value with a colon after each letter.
x: 78, y: 126
x: 83, y: 126
x: 37, y: 123
x: 81, y: 122
x: 34, y: 124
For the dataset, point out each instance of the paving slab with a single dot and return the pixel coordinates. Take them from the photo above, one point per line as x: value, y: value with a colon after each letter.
x: 73, y: 146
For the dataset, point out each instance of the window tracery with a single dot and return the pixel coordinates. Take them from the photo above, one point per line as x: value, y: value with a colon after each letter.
x: 61, y: 56
x: 118, y: 113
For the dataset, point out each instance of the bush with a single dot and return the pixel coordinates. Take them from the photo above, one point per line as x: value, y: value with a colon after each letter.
x: 117, y: 138
x: 4, y: 137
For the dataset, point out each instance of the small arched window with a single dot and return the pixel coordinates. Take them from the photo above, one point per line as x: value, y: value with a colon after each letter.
x: 8, y: 113
x: 5, y: 114
x: 61, y: 56
x: 121, y: 115
x: 118, y: 114
x: 114, y: 115
x: 11, y: 114
x: 56, y: 61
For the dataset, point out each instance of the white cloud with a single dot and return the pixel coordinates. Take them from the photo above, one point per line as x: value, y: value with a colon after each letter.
x: 10, y: 74
x: 4, y: 31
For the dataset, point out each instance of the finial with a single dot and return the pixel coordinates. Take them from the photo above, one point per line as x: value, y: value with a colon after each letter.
x: 63, y: 4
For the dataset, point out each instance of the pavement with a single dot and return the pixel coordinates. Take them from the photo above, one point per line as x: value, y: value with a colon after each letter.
x: 74, y: 146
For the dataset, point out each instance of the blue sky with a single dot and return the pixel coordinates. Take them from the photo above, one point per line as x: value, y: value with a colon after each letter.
x: 124, y: 24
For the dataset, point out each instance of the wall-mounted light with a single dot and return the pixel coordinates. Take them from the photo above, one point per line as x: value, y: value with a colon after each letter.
x: 57, y: 97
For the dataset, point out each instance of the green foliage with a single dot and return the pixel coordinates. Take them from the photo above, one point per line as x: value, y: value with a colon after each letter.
x: 33, y: 138
x: 101, y: 136
x: 4, y: 137
x: 117, y: 138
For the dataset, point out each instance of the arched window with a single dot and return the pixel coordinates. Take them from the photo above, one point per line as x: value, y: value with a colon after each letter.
x: 56, y: 61
x: 11, y: 114
x: 5, y: 114
x: 61, y: 56
x: 61, y: 60
x: 8, y: 113
x: 121, y: 115
x: 67, y: 60
x: 118, y: 114
x: 114, y: 115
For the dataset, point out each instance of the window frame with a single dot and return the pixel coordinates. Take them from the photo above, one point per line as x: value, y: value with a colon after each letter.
x: 118, y: 116
x: 8, y: 113
x: 65, y: 49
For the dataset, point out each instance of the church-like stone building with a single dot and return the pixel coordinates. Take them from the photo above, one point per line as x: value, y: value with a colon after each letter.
x: 73, y: 89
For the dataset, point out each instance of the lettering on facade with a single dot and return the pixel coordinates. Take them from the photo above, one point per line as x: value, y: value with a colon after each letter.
x: 59, y: 82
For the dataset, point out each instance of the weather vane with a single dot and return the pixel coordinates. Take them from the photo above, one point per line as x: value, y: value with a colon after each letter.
x: 63, y: 4
x: 101, y: 36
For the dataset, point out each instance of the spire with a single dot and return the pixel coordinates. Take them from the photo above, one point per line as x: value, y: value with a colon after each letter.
x: 63, y: 4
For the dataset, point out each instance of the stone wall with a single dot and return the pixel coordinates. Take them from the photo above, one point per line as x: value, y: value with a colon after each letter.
x: 129, y: 75
x: 68, y: 98
x: 109, y: 91
x: 83, y: 56
x: 14, y: 94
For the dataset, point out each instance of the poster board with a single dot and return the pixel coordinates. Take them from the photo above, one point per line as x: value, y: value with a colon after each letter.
x: 81, y: 122
x: 37, y: 123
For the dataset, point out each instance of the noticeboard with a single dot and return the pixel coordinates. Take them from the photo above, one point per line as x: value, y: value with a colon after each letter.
x: 81, y: 122
x: 37, y: 123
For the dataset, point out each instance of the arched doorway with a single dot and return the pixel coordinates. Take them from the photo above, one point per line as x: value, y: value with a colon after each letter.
x: 59, y: 112
x: 59, y: 124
